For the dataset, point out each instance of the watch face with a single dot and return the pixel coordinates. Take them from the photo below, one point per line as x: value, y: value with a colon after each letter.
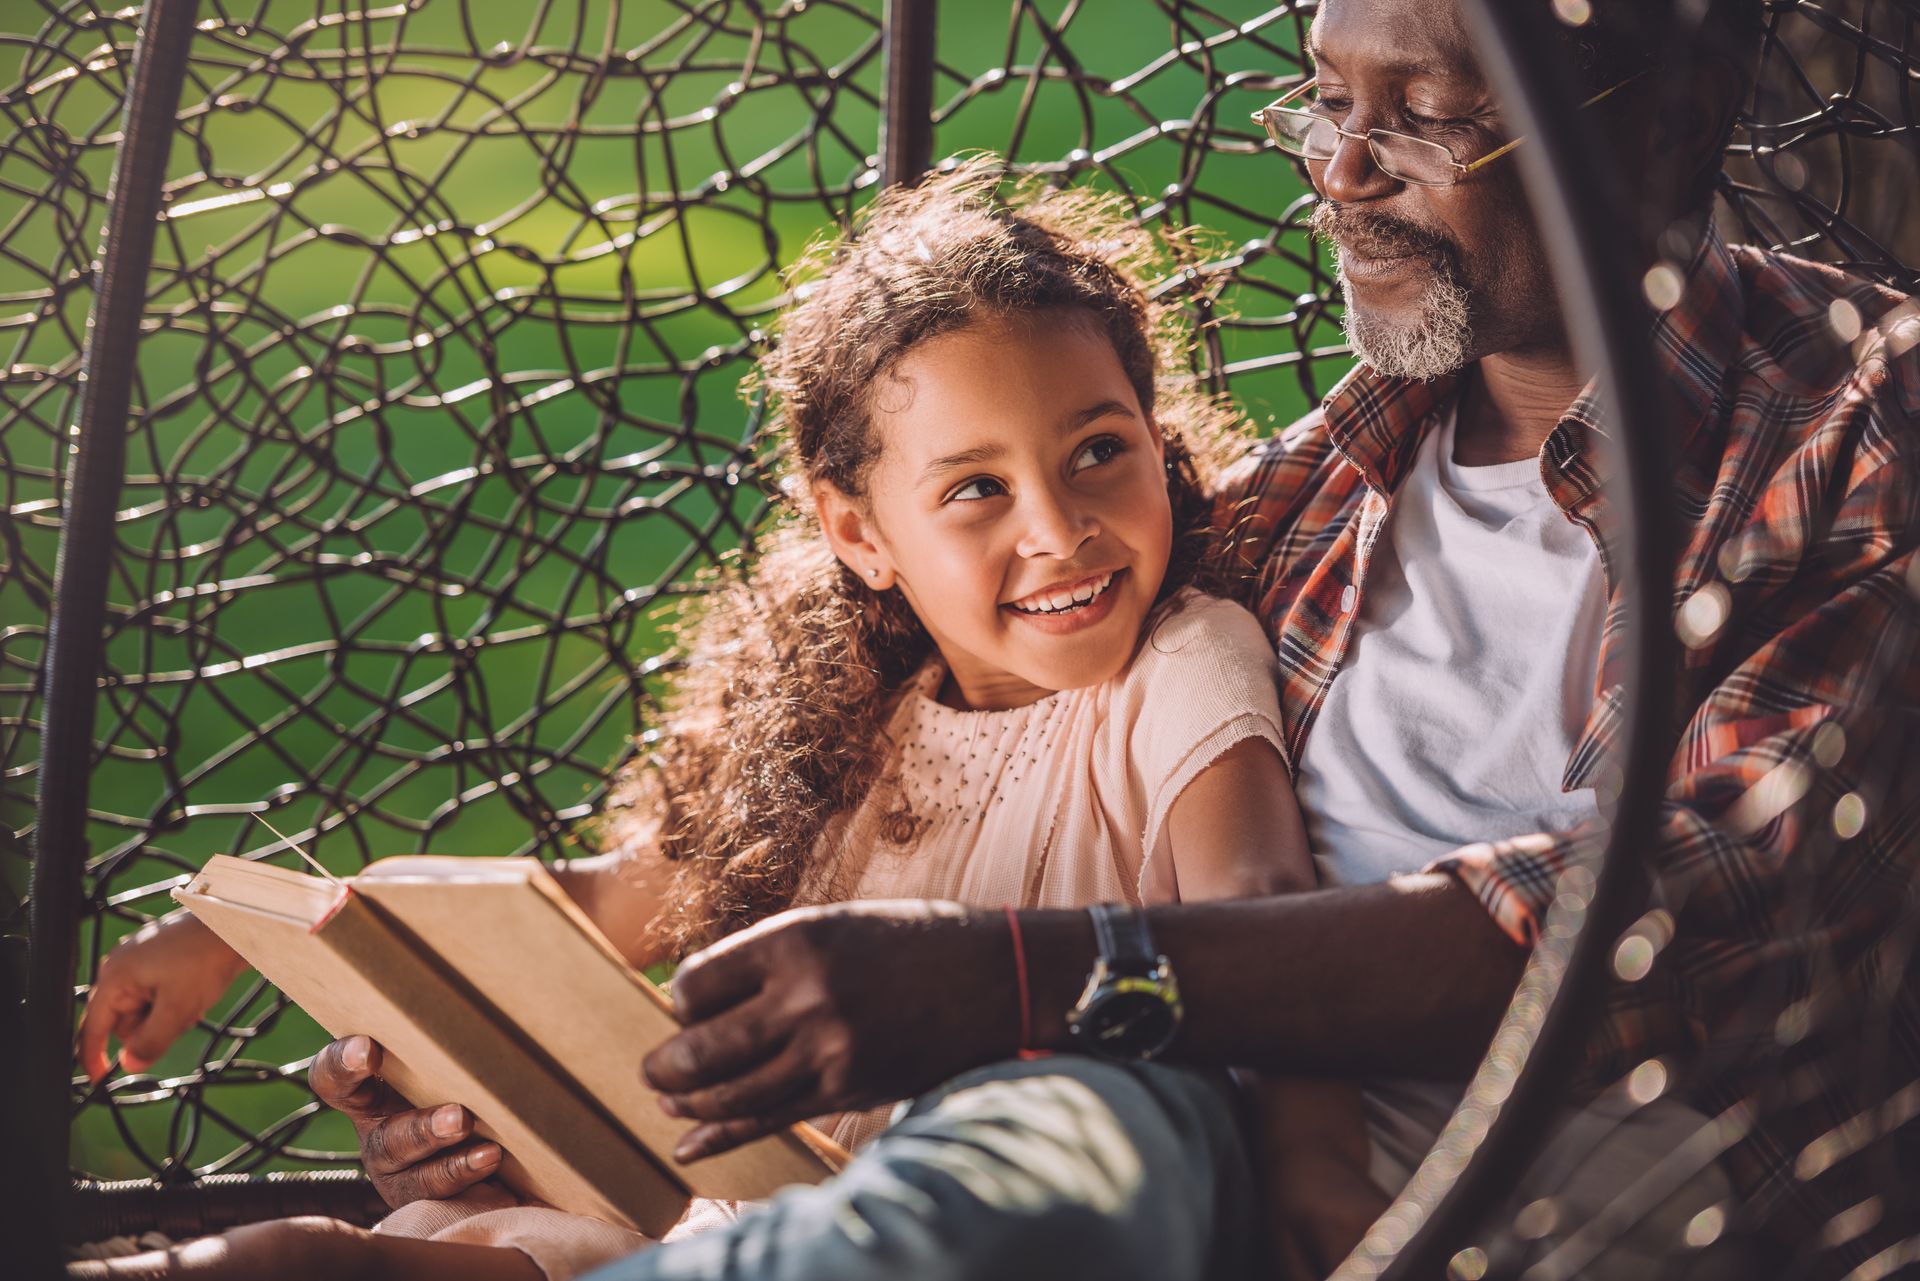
x: 1128, y: 1024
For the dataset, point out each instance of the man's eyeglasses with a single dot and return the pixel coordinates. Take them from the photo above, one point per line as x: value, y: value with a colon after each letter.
x: 1312, y: 136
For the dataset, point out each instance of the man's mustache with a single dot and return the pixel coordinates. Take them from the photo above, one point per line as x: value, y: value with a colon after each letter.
x: 1374, y: 235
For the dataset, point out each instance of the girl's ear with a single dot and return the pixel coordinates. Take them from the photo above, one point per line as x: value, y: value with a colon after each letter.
x: 850, y: 532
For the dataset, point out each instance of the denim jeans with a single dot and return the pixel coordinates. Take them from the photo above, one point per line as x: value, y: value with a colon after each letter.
x: 1057, y: 1167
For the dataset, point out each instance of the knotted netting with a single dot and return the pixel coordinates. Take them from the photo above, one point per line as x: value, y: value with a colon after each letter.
x: 1823, y: 163
x: 435, y: 414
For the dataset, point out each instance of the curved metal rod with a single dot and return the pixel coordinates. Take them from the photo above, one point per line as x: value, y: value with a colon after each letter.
x: 1589, y: 234
x: 75, y: 645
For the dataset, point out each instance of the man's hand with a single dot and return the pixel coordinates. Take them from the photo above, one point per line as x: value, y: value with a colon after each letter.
x: 822, y: 1009
x: 827, y: 1008
x: 411, y: 1154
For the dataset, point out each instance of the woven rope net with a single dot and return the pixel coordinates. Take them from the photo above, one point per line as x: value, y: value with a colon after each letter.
x: 435, y: 418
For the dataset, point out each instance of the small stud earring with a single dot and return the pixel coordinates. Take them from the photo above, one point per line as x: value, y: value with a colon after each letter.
x: 874, y: 572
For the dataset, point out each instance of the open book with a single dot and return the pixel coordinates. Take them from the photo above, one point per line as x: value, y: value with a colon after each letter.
x: 487, y: 987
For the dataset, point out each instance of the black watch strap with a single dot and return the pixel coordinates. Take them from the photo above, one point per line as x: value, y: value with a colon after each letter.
x: 1123, y: 938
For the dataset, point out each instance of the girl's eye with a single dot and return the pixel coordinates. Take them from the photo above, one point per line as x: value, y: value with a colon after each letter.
x: 972, y: 491
x: 1101, y: 449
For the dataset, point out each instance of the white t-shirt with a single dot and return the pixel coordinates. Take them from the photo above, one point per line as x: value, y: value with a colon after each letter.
x: 1468, y: 679
x: 1464, y: 689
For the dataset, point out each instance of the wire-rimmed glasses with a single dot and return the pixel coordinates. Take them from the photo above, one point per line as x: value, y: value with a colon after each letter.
x: 1401, y: 156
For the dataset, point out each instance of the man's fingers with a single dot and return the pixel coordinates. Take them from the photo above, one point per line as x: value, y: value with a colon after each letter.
x: 447, y: 1175
x: 396, y: 1142
x: 710, y: 981
x: 720, y: 1048
x: 775, y: 1084
x: 716, y: 1137
x: 405, y: 1150
x: 343, y: 1077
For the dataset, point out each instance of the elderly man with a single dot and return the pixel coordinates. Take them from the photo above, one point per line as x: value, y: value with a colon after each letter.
x: 1435, y: 576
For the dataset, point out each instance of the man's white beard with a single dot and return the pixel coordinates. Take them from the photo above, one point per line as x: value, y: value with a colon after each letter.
x: 1432, y: 346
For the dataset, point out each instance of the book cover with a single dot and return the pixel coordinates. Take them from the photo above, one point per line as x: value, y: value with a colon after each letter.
x: 486, y: 986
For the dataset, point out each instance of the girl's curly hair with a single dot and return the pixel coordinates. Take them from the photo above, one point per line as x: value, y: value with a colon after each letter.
x: 777, y: 724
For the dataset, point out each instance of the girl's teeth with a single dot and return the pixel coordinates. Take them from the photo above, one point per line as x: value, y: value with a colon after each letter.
x: 1059, y: 602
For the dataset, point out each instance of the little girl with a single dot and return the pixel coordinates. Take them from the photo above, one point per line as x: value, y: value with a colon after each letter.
x: 975, y: 663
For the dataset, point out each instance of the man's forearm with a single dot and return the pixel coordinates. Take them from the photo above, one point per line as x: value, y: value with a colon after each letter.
x: 1408, y: 977
x: 827, y: 1008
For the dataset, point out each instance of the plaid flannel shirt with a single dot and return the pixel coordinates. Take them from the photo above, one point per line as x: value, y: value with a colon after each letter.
x: 1788, y: 838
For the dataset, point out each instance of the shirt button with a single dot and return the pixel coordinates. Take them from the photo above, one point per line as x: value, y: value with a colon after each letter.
x: 1347, y: 598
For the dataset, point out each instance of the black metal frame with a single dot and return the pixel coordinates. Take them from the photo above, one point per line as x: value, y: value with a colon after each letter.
x: 1592, y: 240
x: 80, y: 593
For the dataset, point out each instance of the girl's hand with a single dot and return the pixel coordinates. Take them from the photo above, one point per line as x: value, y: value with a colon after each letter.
x: 152, y: 987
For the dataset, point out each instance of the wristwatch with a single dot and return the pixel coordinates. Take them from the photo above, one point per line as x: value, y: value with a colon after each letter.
x: 1131, y: 1006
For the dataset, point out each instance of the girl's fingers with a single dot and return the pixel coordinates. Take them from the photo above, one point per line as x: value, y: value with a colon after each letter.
x: 145, y: 1039
x: 111, y: 1010
x: 91, y: 1047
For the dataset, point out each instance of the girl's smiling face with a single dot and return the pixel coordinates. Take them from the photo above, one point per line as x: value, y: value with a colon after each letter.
x: 1019, y: 502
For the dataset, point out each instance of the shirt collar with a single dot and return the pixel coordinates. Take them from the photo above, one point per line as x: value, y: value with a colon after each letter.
x: 1377, y: 423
